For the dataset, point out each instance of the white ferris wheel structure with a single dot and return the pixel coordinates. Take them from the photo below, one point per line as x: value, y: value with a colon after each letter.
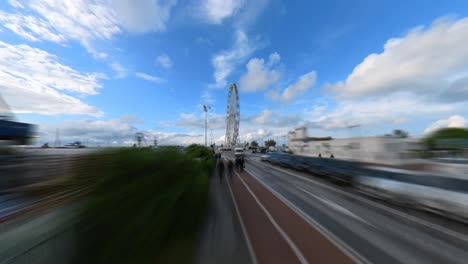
x: 232, y: 116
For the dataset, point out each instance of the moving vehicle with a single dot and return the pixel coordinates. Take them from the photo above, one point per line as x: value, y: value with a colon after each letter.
x: 238, y: 152
x: 19, y: 132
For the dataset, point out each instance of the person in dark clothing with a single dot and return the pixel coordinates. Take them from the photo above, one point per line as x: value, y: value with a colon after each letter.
x: 230, y: 168
x: 320, y: 155
x: 220, y: 170
x: 331, y: 156
x: 241, y: 164
x: 237, y: 164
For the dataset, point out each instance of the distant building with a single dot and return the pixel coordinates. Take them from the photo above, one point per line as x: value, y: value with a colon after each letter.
x: 384, y: 150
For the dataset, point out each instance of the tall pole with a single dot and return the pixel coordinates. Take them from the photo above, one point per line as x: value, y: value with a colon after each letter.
x: 211, y: 138
x: 206, y: 126
x: 205, y: 108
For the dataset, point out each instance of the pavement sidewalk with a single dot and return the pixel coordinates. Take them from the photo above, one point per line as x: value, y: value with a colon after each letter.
x: 222, y: 238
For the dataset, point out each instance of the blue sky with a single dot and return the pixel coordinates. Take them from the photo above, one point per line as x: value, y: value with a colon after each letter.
x: 99, y: 70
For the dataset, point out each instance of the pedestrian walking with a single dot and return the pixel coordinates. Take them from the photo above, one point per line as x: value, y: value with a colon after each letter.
x: 237, y: 164
x: 220, y: 170
x: 241, y: 164
x: 230, y: 168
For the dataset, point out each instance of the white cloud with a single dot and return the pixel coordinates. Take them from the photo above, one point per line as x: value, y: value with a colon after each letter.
x: 32, y: 81
x: 30, y: 27
x: 215, y: 11
x: 193, y: 121
x: 148, y: 77
x: 294, y: 90
x: 99, y: 130
x: 15, y: 4
x: 374, y: 112
x: 86, y: 20
x: 422, y: 74
x: 249, y: 13
x: 164, y: 61
x: 120, y: 71
x: 255, y: 127
x: 316, y: 111
x: 142, y: 16
x: 268, y: 118
x: 274, y: 58
x: 260, y: 76
x: 207, y: 97
x: 5, y: 110
x: 263, y: 117
x: 430, y: 62
x: 453, y: 121
x: 115, y: 132
x: 225, y: 62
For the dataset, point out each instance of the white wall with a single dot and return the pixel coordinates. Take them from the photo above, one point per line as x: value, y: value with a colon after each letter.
x: 386, y: 150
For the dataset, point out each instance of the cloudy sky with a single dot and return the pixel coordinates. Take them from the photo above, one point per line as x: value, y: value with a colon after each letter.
x: 100, y: 70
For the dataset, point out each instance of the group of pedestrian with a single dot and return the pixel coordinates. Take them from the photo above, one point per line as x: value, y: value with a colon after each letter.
x: 239, y: 166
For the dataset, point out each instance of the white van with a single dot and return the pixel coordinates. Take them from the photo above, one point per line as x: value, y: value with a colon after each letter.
x: 238, y: 152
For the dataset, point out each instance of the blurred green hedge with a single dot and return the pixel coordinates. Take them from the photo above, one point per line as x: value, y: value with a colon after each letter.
x: 146, y: 206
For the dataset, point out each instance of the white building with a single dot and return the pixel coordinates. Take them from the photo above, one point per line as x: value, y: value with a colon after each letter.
x: 383, y: 150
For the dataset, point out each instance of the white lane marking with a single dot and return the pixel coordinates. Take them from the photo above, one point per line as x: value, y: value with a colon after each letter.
x: 244, y: 230
x: 288, y: 240
x: 383, y: 207
x: 337, y: 207
x: 357, y: 258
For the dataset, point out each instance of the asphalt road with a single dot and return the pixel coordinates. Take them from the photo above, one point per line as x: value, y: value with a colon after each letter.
x: 368, y: 229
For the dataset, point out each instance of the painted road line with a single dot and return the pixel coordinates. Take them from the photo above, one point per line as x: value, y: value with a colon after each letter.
x: 337, y: 207
x: 288, y: 240
x: 244, y: 230
x: 336, y: 241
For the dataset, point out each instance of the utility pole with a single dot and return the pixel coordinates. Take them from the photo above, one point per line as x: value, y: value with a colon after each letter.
x: 206, y: 108
x: 211, y: 137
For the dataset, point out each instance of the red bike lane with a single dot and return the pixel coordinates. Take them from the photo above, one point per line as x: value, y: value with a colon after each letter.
x: 276, y: 232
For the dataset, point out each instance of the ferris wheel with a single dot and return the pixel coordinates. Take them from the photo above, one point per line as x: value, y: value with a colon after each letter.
x: 232, y: 116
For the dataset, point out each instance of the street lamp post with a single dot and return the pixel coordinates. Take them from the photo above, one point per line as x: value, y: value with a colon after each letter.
x: 206, y: 108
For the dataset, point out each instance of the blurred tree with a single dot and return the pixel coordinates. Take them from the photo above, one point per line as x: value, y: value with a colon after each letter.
x: 270, y: 143
x: 400, y: 133
x: 254, y: 143
x: 451, y: 137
